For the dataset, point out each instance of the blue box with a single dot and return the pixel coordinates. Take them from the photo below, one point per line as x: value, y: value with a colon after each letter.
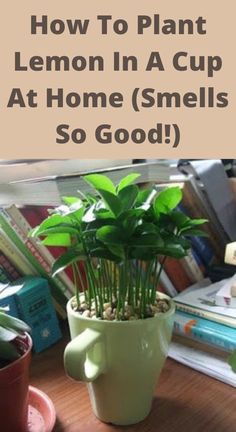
x: 35, y: 307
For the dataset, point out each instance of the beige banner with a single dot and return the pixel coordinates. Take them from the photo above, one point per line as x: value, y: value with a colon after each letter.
x: 173, y: 35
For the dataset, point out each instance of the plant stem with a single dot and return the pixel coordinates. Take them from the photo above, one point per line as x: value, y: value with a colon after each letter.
x: 120, y: 297
x: 144, y: 291
x: 123, y: 287
x: 100, y: 281
x: 109, y: 281
x: 77, y: 269
x: 89, y: 271
x: 157, y: 277
x: 153, y: 290
x: 88, y: 290
x: 76, y: 284
x: 114, y: 271
x: 131, y: 299
x: 138, y: 280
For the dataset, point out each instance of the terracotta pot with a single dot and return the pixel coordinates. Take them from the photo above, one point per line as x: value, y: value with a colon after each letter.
x: 120, y: 360
x: 14, y: 382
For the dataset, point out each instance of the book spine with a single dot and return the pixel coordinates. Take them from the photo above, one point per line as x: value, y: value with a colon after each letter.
x: 222, y: 319
x: 34, y: 215
x: 32, y: 249
x: 203, y: 249
x: 198, y: 345
x: 177, y: 274
x: 4, y: 279
x: 196, y: 328
x: 194, y: 209
x: 15, y: 256
x: 167, y: 284
x: 22, y: 264
x: 201, y: 245
x: 10, y: 232
x: 199, y: 261
x: 192, y: 268
x: 11, y: 272
x: 21, y: 226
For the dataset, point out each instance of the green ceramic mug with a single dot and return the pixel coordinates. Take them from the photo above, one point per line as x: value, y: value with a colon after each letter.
x: 121, y: 361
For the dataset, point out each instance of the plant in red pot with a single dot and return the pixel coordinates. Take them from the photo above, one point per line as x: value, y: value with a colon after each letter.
x: 15, y: 354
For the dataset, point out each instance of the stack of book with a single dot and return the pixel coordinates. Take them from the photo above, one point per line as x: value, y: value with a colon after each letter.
x: 23, y: 256
x: 204, y: 333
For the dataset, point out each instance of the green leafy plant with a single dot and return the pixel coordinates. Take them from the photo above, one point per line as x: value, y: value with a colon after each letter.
x: 11, y: 330
x: 120, y: 233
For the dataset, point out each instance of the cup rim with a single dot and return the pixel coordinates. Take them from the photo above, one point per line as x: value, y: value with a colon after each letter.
x: 160, y: 317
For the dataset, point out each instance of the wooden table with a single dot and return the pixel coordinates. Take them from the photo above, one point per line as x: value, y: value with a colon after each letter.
x: 185, y: 400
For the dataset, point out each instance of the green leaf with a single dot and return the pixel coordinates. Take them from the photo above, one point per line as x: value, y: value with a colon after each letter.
x: 13, y: 323
x: 71, y: 200
x: 135, y: 213
x: 117, y: 250
x: 78, y: 214
x: 130, y: 219
x: 98, y: 223
x: 50, y: 222
x: 111, y: 201
x: 90, y: 198
x: 103, y: 254
x: 172, y: 250
x: 232, y: 360
x: 59, y: 230
x: 62, y: 210
x: 167, y: 200
x: 57, y: 240
x: 7, y: 335
x: 196, y: 222
x: 145, y: 196
x: 111, y: 235
x: 130, y: 225
x: 74, y: 211
x: 144, y: 254
x: 146, y: 228
x: 128, y: 196
x: 105, y: 215
x: 193, y: 232
x: 67, y: 259
x: 147, y: 240
x: 126, y: 181
x: 179, y: 219
x: 8, y: 351
x: 100, y: 181
x: 182, y: 241
x: 89, y: 215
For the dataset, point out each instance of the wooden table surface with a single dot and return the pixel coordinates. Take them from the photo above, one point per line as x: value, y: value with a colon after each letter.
x: 185, y: 400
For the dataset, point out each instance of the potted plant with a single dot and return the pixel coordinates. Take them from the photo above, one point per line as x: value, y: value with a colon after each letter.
x: 120, y: 326
x: 15, y: 353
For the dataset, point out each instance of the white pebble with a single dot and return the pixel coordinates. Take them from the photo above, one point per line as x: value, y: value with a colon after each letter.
x: 86, y: 314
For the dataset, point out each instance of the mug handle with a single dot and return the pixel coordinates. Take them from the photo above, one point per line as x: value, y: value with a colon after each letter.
x: 79, y: 362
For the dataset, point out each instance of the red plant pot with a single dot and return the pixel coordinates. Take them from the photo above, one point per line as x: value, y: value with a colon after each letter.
x: 14, y: 383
